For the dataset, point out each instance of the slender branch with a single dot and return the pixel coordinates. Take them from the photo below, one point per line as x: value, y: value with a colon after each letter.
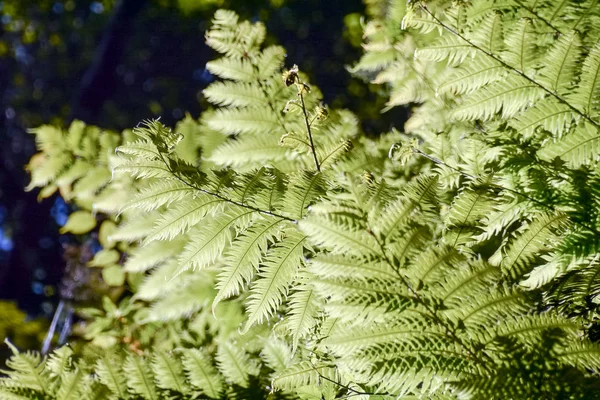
x: 510, y: 67
x: 308, y: 131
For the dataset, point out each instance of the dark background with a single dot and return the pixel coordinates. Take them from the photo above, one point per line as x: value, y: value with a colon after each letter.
x: 114, y: 63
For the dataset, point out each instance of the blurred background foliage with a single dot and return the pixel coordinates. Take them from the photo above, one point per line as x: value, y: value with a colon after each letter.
x: 114, y: 63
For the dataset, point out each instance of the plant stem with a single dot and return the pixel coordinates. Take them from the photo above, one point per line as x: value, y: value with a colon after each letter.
x: 308, y: 131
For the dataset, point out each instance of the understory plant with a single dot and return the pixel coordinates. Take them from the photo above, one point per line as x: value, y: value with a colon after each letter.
x: 270, y: 249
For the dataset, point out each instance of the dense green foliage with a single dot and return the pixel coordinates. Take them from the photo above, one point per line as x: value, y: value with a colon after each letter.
x: 283, y: 252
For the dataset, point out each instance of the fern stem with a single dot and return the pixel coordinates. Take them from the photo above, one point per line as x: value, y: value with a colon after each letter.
x: 221, y: 197
x: 310, y: 138
x: 511, y: 68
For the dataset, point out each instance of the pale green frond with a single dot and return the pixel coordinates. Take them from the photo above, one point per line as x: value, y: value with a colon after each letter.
x: 47, y: 169
x: 465, y: 213
x: 135, y: 228
x: 71, y: 385
x: 531, y: 239
x: 586, y: 95
x: 467, y: 282
x: 472, y: 76
x: 433, y: 263
x: 243, y: 257
x: 234, y: 121
x: 250, y: 152
x: 229, y: 68
x: 507, y: 97
x: 276, y: 354
x: 328, y: 155
x: 92, y: 182
x: 447, y: 47
x: 208, y: 240
x: 159, y: 282
x: 577, y: 148
x: 338, y: 238
x: 144, y: 169
x: 301, y: 374
x: 184, y: 298
x: 488, y: 35
x: 529, y: 329
x: 28, y: 370
x: 143, y: 258
x: 140, y: 149
x: 304, y: 308
x: 182, y: 217
x: 158, y: 194
x: 59, y: 361
x: 110, y: 373
x: 277, y: 272
x: 303, y: 190
x: 139, y: 377
x: 547, y: 114
x: 235, y: 94
x: 561, y: 62
x: 581, y: 354
x: 332, y: 266
x: 201, y: 373
x: 520, y: 46
x: 270, y: 60
x: 482, y: 311
x: 235, y: 364
x: 168, y: 371
x: 503, y: 215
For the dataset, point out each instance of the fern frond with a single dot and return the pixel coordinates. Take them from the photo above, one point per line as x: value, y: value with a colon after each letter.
x: 140, y: 379
x: 182, y: 217
x: 303, y: 311
x: 303, y: 190
x: 301, y: 374
x: 230, y: 94
x: 249, y: 152
x: 235, y: 364
x: 110, y: 373
x: 200, y: 372
x: 28, y: 370
x: 332, y: 266
x: 586, y: 95
x: 243, y: 257
x: 579, y: 147
x: 532, y: 239
x: 255, y: 121
x: 339, y: 238
x: 156, y: 195
x: 520, y: 46
x: 509, y: 96
x: 548, y: 114
x: 168, y: 371
x: 208, y: 241
x: 449, y: 48
x: 473, y: 76
x: 147, y: 257
x: 278, y: 271
x: 560, y: 63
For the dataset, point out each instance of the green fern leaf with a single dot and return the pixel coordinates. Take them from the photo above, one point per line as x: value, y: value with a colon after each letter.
x: 586, y: 95
x: 520, y: 46
x: 472, y: 76
x: 447, y: 47
x: 548, y: 114
x: 278, y: 271
x: 233, y: 121
x: 201, y: 373
x: 248, y: 152
x: 234, y: 94
x: 243, y: 257
x: 509, y: 96
x: 168, y: 371
x: 301, y: 374
x: 182, y: 217
x: 28, y: 372
x: 577, y: 148
x: 140, y: 379
x: 560, y: 63
x: 159, y: 194
x: 110, y: 373
x: 303, y: 190
x: 235, y: 364
x: 71, y: 385
x: 302, y: 314
x: 230, y: 68
x: 276, y: 354
x: 208, y: 241
x: 147, y: 257
x: 339, y: 238
x: 332, y: 266
x: 533, y: 239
